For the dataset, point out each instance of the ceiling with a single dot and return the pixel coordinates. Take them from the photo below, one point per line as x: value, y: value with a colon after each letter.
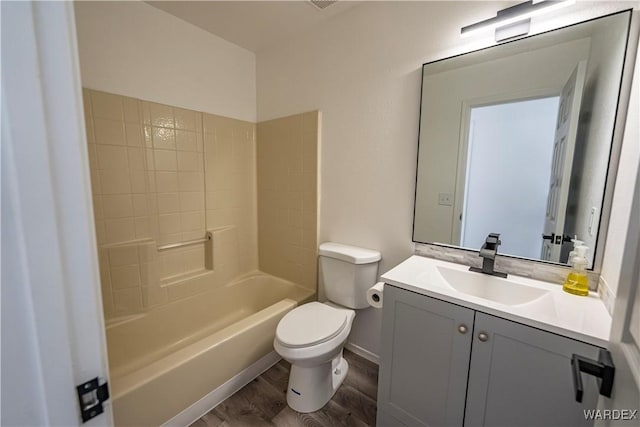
x: 253, y: 25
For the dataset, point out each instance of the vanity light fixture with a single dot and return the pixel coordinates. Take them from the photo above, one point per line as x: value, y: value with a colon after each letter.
x: 515, y: 21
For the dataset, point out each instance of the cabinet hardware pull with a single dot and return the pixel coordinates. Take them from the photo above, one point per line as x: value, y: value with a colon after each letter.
x: 483, y: 337
x: 462, y: 329
x: 603, y: 369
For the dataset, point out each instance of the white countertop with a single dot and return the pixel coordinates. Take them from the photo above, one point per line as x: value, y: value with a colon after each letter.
x: 583, y: 318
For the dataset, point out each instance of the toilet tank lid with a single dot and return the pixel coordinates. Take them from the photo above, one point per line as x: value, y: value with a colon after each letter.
x: 348, y: 253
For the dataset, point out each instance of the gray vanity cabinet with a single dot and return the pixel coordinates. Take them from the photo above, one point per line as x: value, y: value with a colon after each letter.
x: 446, y: 365
x: 424, y: 360
x: 521, y: 376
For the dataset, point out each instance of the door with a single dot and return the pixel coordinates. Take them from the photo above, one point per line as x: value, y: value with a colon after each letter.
x: 52, y: 325
x: 624, y: 341
x: 522, y: 376
x: 509, y: 153
x: 424, y: 360
x: 563, y: 148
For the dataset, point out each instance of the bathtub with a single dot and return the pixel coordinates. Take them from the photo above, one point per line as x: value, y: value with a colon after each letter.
x: 163, y: 361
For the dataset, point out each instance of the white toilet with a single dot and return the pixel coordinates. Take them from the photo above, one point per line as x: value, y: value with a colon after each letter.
x: 311, y: 337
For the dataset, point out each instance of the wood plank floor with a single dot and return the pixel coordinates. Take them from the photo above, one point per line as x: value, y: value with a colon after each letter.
x: 263, y: 402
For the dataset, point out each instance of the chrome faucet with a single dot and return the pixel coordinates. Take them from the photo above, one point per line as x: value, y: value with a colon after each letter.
x: 488, y: 253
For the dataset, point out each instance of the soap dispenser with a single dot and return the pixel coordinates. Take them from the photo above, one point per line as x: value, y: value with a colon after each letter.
x: 573, y: 253
x: 577, y: 282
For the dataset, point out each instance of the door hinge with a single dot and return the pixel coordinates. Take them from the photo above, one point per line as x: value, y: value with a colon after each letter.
x: 91, y: 396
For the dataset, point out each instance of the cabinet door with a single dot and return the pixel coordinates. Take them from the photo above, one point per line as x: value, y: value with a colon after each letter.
x: 383, y: 419
x: 424, y: 359
x: 521, y: 376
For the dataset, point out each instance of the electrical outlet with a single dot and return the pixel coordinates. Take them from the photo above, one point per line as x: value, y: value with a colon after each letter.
x: 445, y: 199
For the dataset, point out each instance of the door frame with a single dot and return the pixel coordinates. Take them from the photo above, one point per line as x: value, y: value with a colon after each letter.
x: 47, y: 195
x: 459, y: 198
x: 625, y: 353
x: 623, y: 348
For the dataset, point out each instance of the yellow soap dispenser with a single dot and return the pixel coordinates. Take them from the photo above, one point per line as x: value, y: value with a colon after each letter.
x: 576, y: 243
x: 577, y: 282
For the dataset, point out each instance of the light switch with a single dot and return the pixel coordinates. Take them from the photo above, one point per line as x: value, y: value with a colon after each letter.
x: 445, y: 199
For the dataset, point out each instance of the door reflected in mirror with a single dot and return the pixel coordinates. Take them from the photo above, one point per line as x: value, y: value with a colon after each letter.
x: 509, y: 153
x: 516, y: 139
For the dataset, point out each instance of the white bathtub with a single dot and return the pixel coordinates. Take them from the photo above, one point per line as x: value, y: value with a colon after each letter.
x: 163, y: 361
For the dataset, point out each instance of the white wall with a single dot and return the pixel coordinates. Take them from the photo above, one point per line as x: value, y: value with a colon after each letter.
x: 510, y: 150
x: 621, y: 220
x: 362, y: 70
x: 134, y: 49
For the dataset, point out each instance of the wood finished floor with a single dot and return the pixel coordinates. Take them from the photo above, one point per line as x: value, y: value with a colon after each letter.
x: 263, y: 401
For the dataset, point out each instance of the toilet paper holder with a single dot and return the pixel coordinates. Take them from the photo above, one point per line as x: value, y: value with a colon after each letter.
x: 375, y: 295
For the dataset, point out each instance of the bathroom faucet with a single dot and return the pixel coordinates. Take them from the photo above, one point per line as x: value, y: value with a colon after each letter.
x: 488, y: 252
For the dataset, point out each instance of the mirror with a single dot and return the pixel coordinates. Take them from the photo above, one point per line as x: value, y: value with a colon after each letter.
x: 516, y: 139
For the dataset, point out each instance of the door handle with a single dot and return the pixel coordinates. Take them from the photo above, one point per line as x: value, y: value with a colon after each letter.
x: 603, y: 369
x: 556, y: 239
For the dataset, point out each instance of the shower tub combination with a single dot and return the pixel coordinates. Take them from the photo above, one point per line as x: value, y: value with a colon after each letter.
x: 165, y: 361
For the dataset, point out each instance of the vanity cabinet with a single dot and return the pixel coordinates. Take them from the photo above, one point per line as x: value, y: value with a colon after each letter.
x: 446, y: 365
x: 424, y: 360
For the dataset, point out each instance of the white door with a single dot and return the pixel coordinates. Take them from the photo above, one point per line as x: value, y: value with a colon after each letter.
x: 563, y: 148
x: 52, y: 325
x: 624, y: 342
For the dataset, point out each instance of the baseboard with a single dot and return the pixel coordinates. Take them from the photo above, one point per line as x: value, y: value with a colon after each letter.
x: 215, y: 397
x: 371, y: 357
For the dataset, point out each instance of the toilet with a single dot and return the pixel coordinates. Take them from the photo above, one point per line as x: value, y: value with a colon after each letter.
x: 311, y: 337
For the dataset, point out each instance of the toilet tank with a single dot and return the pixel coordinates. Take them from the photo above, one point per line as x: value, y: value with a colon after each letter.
x: 346, y: 272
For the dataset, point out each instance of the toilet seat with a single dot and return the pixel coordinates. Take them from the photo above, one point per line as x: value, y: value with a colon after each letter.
x: 310, y: 324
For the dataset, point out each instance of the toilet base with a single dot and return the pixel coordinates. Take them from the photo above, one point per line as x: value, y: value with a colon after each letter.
x: 310, y: 388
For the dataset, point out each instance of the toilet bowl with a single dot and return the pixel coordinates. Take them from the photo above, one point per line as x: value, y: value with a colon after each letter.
x: 311, y: 337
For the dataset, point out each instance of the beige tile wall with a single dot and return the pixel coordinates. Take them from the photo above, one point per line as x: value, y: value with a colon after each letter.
x: 230, y: 181
x: 129, y: 277
x: 147, y: 165
x: 120, y: 187
x: 116, y: 155
x: 287, y: 197
x: 175, y: 161
x: 163, y: 175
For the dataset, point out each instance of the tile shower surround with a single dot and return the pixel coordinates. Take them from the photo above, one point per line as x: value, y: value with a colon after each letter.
x: 287, y: 197
x: 161, y: 175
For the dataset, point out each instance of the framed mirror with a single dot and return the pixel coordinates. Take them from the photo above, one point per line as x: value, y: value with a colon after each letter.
x: 516, y: 139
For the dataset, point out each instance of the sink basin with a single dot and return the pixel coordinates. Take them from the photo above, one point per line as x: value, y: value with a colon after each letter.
x: 496, y: 289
